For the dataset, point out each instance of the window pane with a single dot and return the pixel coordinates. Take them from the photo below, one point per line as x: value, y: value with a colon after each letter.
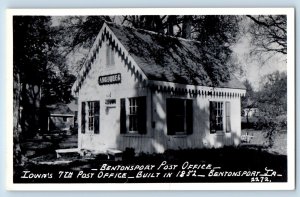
x: 137, y: 115
x: 91, y: 115
x: 216, y: 118
x: 133, y: 115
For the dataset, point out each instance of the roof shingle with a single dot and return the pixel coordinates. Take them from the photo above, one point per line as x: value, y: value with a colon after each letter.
x: 171, y: 59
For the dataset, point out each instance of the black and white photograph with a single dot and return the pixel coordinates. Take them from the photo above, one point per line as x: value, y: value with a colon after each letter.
x: 166, y: 98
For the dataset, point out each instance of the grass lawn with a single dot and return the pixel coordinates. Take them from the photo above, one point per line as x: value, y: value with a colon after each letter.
x: 280, y: 143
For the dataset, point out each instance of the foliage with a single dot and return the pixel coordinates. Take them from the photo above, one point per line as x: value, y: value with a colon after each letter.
x: 80, y: 31
x: 273, y: 96
x: 248, y: 99
x: 215, y: 35
x: 269, y: 35
x: 38, y: 60
x: 272, y: 103
x: 248, y: 102
x: 40, y: 76
x: 31, y: 47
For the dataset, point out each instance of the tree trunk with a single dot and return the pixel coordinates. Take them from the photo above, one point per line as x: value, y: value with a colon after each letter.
x: 17, y: 153
x: 158, y: 24
x: 171, y: 22
x: 187, y: 26
x: 30, y: 117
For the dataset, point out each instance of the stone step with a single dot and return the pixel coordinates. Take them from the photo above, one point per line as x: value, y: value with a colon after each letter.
x: 115, y: 154
x: 60, y: 152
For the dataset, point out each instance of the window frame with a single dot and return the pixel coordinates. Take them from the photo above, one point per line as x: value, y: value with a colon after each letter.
x: 132, y: 115
x: 225, y: 118
x: 132, y: 107
x: 219, y: 116
x: 172, y: 117
x: 90, y: 117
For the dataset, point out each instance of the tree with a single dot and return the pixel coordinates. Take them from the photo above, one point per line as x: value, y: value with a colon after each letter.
x: 80, y: 31
x: 273, y: 96
x: 269, y: 39
x: 154, y: 23
x: 249, y: 101
x: 216, y: 34
x: 272, y: 103
x: 31, y: 48
x: 187, y: 26
x: 269, y: 35
x: 40, y: 76
x: 31, y: 45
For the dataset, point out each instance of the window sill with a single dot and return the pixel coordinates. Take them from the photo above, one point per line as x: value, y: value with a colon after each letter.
x: 134, y: 135
x: 179, y: 135
x: 218, y: 133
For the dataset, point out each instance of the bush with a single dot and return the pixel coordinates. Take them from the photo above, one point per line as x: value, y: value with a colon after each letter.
x: 271, y: 126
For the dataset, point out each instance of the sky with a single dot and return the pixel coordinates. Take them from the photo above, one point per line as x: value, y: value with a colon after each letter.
x: 254, y: 69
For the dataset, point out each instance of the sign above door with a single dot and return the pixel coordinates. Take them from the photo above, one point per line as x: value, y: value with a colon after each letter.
x: 109, y: 79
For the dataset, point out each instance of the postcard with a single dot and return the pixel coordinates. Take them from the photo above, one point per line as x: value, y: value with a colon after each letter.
x: 151, y: 99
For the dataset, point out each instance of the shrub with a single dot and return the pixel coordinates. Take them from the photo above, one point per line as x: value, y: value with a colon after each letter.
x: 271, y: 126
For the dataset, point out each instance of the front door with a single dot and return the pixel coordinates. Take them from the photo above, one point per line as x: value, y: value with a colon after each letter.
x: 110, y: 123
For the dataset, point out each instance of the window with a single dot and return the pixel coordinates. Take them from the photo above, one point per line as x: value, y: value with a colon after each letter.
x: 217, y: 117
x: 110, y: 58
x: 93, y: 118
x: 179, y: 116
x: 65, y: 119
x: 133, y: 115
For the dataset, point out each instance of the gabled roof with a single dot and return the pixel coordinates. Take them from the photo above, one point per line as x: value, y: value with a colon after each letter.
x: 160, y: 58
x: 60, y: 108
x: 170, y: 59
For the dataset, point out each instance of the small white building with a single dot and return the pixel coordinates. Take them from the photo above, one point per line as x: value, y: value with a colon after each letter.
x: 60, y: 117
x: 250, y: 112
x: 142, y: 90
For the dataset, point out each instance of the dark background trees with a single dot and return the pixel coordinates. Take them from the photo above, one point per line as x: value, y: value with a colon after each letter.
x: 31, y: 42
x: 43, y: 75
x: 40, y: 75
